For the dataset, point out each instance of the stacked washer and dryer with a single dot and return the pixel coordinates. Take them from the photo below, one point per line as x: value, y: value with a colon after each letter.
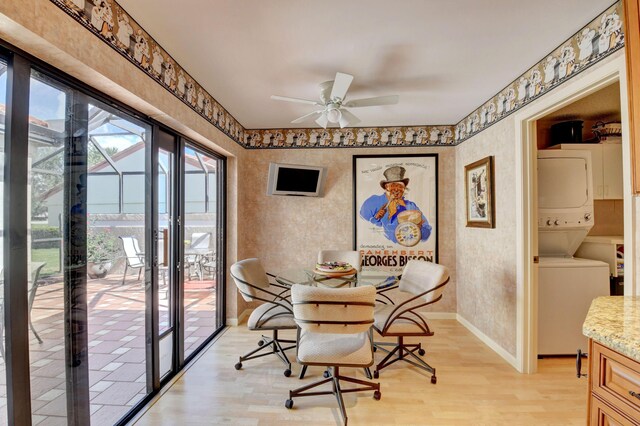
x: 566, y: 284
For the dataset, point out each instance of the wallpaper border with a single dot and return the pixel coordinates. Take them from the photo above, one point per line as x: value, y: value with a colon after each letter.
x: 556, y: 68
x: 114, y: 26
x: 601, y: 37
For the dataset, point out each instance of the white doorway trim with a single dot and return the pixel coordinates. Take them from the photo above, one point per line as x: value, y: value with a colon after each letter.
x: 609, y: 71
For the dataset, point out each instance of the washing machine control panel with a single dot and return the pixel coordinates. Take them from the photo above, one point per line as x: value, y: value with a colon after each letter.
x: 566, y: 220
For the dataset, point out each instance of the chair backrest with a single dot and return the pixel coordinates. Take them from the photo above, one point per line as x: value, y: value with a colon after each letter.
x: 248, y: 274
x: 419, y: 276
x: 200, y: 240
x: 352, y: 257
x: 333, y: 310
x: 36, y: 270
x: 132, y: 250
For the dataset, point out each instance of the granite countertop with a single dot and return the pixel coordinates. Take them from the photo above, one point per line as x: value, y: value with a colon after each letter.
x: 614, y: 321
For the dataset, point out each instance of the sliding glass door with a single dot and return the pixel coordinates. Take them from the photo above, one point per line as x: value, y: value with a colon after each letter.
x: 203, y: 234
x: 87, y: 229
x: 112, y: 267
x: 165, y: 263
x: 49, y: 275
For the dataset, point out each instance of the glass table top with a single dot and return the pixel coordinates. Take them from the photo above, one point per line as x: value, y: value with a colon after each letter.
x: 307, y: 276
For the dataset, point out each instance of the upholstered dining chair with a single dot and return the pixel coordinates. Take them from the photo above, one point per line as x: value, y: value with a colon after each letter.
x: 273, y: 315
x: 352, y: 257
x: 334, y: 327
x: 424, y: 283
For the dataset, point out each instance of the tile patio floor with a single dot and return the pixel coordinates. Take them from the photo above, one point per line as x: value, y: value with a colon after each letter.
x: 117, y: 371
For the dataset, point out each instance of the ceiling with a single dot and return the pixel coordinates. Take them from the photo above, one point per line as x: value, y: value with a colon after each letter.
x: 444, y: 58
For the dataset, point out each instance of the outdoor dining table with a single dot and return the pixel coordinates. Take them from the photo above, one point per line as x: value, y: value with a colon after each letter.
x: 197, y: 255
x: 308, y: 276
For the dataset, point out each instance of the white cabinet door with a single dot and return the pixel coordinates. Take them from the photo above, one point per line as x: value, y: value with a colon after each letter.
x: 612, y: 171
x: 606, y: 168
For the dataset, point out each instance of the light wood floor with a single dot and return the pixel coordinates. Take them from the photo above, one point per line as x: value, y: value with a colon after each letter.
x: 475, y: 387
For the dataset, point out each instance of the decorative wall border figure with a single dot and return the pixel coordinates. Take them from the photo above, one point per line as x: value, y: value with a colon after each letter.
x: 360, y: 137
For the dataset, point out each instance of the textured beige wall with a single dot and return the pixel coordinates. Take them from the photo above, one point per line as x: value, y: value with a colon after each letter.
x: 486, y: 258
x: 285, y: 232
x: 43, y: 30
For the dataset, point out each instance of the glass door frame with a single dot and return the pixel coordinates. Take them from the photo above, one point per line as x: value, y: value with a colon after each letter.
x: 19, y: 67
x: 220, y: 240
x: 170, y: 144
x: 15, y: 204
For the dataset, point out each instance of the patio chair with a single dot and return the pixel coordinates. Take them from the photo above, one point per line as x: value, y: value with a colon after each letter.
x: 209, y: 264
x: 133, y: 255
x: 36, y: 269
x: 194, y: 254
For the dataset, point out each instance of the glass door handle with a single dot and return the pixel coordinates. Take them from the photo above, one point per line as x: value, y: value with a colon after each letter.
x: 165, y: 247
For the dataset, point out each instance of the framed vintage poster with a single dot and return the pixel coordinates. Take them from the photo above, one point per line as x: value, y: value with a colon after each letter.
x: 395, y: 204
x: 479, y: 197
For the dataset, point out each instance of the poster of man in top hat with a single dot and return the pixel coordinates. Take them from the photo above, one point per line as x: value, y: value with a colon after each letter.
x: 385, y: 209
x: 395, y: 224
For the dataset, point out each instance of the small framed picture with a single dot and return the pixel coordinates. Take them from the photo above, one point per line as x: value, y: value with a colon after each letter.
x: 479, y: 193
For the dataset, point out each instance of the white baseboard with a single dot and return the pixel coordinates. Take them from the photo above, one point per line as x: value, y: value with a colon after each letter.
x: 440, y: 315
x: 489, y: 342
x: 234, y: 322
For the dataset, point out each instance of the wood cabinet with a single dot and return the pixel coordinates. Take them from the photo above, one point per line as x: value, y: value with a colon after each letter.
x: 606, y: 168
x: 614, y: 387
x: 632, y: 47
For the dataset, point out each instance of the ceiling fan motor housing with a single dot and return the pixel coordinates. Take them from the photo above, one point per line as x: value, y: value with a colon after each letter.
x: 333, y: 112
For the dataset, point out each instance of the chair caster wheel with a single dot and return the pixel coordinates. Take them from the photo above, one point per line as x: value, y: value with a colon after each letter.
x: 260, y: 342
x: 238, y: 366
x: 421, y: 352
x: 287, y: 372
x: 288, y: 403
x: 326, y: 374
x: 377, y: 395
x: 376, y: 374
x: 375, y: 349
x: 434, y: 379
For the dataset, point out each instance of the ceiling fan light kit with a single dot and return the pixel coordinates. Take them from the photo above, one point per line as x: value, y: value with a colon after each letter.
x: 332, y: 96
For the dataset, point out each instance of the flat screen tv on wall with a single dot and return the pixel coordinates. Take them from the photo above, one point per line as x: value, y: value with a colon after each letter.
x: 297, y: 180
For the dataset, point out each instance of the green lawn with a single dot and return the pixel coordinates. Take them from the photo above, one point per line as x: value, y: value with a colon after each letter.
x: 51, y: 256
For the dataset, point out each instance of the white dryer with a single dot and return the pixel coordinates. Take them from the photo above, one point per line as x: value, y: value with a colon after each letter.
x: 566, y: 285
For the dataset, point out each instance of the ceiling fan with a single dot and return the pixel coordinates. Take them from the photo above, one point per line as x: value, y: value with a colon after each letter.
x: 334, y: 105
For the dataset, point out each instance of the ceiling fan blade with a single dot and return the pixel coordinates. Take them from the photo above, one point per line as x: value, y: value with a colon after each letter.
x: 305, y: 117
x: 298, y: 100
x: 377, y: 101
x: 323, y: 120
x: 347, y: 119
x: 341, y: 85
x: 325, y: 91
